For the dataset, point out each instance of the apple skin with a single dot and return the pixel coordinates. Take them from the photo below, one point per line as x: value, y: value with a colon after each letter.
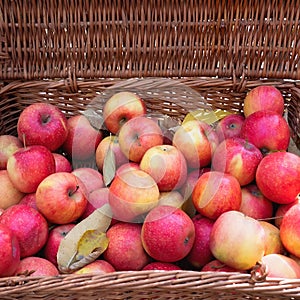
x: 9, y: 252
x: 36, y: 266
x: 9, y: 144
x: 237, y: 157
x: 167, y: 165
x: 168, y: 233
x: 61, y: 198
x: 216, y: 193
x: 42, y: 124
x: 290, y: 231
x: 98, y: 266
x: 278, y: 177
x: 56, y: 234
x: 237, y: 240
x: 172, y: 198
x: 82, y: 140
x: 217, y: 266
x: 281, y: 266
x: 229, y: 126
x: 9, y: 194
x: 254, y: 204
x: 200, y: 253
x: 263, y: 98
x: 161, y: 266
x: 138, y: 135
x: 267, y: 130
x: 125, y: 251
x: 62, y: 164
x: 30, y: 200
x: 281, y: 210
x: 112, y: 142
x: 28, y: 225
x: 126, y: 167
x: 91, y: 178
x: 197, y: 142
x: 120, y: 108
x: 27, y: 167
x: 132, y: 194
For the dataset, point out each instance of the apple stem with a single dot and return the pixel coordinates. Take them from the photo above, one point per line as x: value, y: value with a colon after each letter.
x: 24, y: 140
x: 73, y: 192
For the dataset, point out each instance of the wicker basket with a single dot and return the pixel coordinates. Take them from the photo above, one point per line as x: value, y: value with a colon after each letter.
x: 79, y: 50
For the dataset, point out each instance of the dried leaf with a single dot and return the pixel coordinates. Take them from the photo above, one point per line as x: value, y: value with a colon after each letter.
x: 95, y: 119
x: 109, y: 165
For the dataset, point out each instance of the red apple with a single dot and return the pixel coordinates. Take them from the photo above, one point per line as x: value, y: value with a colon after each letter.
x: 82, y: 140
x: 278, y: 177
x: 9, y: 144
x: 217, y: 266
x: 56, y: 234
x: 254, y: 204
x: 125, y: 251
x: 281, y: 210
x: 9, y: 252
x: 237, y: 157
x: 237, y: 240
x: 216, y: 193
x: 30, y: 200
x: 120, y: 108
x: 167, y: 165
x: 9, y: 194
x: 290, y: 230
x: 138, y: 135
x: 132, y: 194
x: 27, y: 167
x: 91, y: 178
x: 161, y: 266
x: 264, y: 97
x: 28, y: 225
x: 126, y: 167
x: 197, y: 141
x: 200, y: 253
x: 110, y: 142
x: 42, y: 124
x: 168, y: 233
x: 62, y: 164
x: 230, y: 126
x: 61, y: 198
x: 98, y: 266
x: 172, y: 198
x: 267, y: 130
x: 36, y: 266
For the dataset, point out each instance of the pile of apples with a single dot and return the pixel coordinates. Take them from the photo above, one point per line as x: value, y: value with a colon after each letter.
x: 209, y: 197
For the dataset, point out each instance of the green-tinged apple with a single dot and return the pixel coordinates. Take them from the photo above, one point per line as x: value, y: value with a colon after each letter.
x: 9, y: 252
x: 168, y: 233
x: 125, y: 251
x: 267, y: 130
x: 98, y: 266
x: 161, y: 266
x: 237, y: 157
x: 126, y: 167
x: 30, y: 200
x: 237, y: 240
x: 215, y: 193
x: 120, y: 108
x: 27, y: 167
x: 167, y: 165
x: 9, y: 194
x: 290, y: 230
x: 197, y: 141
x: 263, y: 97
x: 254, y: 204
x: 200, y: 253
x: 42, y: 124
x: 62, y: 164
x: 91, y: 178
x: 172, y: 198
x: 36, y: 266
x: 281, y: 209
x: 9, y: 144
x: 56, y: 234
x: 217, y: 266
x: 138, y: 135
x: 82, y: 140
x: 132, y: 193
x: 61, y: 198
x: 110, y: 143
x: 28, y: 225
x: 229, y: 126
x: 273, y: 241
x: 278, y: 177
x: 281, y: 266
